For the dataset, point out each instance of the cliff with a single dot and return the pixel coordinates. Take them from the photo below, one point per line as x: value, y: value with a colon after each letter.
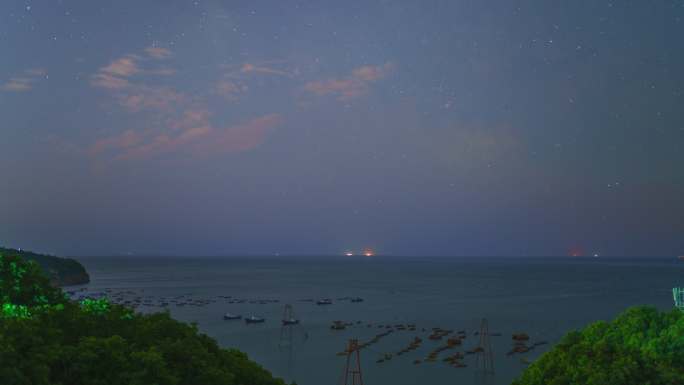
x: 61, y: 271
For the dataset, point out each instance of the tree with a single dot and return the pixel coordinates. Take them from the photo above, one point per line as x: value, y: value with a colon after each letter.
x: 641, y: 346
x: 47, y: 340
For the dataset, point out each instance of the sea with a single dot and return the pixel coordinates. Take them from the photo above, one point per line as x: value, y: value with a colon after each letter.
x: 541, y: 297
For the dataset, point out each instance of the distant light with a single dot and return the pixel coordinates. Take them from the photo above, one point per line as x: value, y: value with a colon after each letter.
x: 368, y: 252
x: 349, y: 254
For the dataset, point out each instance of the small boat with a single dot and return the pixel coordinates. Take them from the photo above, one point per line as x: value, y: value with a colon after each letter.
x: 357, y: 299
x: 254, y: 320
x: 229, y: 316
x: 290, y: 321
x: 325, y: 301
x: 520, y: 337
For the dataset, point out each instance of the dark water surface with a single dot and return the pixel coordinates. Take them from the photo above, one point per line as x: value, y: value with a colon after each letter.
x: 542, y: 297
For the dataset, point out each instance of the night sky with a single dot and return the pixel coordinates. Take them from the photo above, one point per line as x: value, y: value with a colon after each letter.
x: 541, y: 128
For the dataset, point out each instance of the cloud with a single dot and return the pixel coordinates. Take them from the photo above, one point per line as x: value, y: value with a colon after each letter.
x: 142, y: 97
x: 104, y: 80
x: 231, y: 90
x: 345, y: 89
x: 124, y: 67
x: 117, y: 74
x: 233, y: 82
x: 241, y: 137
x: 174, y: 121
x: 252, y: 68
x: 25, y: 81
x: 352, y: 86
x: 158, y: 52
x: 17, y: 85
x: 124, y: 141
x: 36, y: 72
x: 196, y: 137
x: 259, y: 68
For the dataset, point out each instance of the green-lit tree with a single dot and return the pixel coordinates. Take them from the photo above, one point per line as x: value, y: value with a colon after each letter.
x: 641, y: 346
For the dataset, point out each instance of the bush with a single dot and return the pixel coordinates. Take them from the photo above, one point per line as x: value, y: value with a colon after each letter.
x: 641, y: 346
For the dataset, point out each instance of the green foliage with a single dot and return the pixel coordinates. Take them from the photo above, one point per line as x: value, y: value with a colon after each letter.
x: 95, y: 306
x: 23, y: 283
x: 641, y: 346
x: 10, y: 310
x: 49, y: 341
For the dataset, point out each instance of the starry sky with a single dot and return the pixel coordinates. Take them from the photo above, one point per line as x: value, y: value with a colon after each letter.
x: 440, y: 128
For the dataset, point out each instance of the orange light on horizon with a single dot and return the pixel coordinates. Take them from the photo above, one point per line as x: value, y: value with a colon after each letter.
x: 368, y: 252
x: 576, y: 252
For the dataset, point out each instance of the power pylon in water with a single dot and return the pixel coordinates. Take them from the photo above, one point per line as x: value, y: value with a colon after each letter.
x: 352, y: 370
x: 289, y: 321
x: 484, y: 360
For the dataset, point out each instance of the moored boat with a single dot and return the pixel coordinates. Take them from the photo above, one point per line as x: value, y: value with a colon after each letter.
x: 254, y: 320
x: 229, y: 316
x: 324, y: 301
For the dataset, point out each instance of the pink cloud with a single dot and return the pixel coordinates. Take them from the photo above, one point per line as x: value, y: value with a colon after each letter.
x: 239, y: 138
x: 18, y: 85
x: 124, y: 141
x: 345, y: 89
x: 197, y: 137
x: 252, y: 68
x: 230, y: 90
x: 158, y: 52
x: 372, y: 73
x: 124, y: 67
x: 176, y: 122
x: 116, y: 75
x: 352, y: 86
x: 25, y: 81
x: 140, y: 98
x: 113, y: 76
x: 108, y: 81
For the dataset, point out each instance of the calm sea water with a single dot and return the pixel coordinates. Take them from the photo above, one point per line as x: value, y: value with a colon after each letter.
x: 543, y: 297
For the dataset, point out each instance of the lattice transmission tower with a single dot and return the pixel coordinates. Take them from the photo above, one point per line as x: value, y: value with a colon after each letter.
x: 485, y: 355
x: 352, y: 370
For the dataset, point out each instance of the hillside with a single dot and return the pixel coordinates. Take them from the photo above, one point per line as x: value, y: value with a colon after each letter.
x: 60, y: 271
x: 45, y: 339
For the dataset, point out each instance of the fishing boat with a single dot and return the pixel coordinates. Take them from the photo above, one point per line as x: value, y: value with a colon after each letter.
x: 229, y: 316
x: 325, y: 301
x: 254, y: 320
